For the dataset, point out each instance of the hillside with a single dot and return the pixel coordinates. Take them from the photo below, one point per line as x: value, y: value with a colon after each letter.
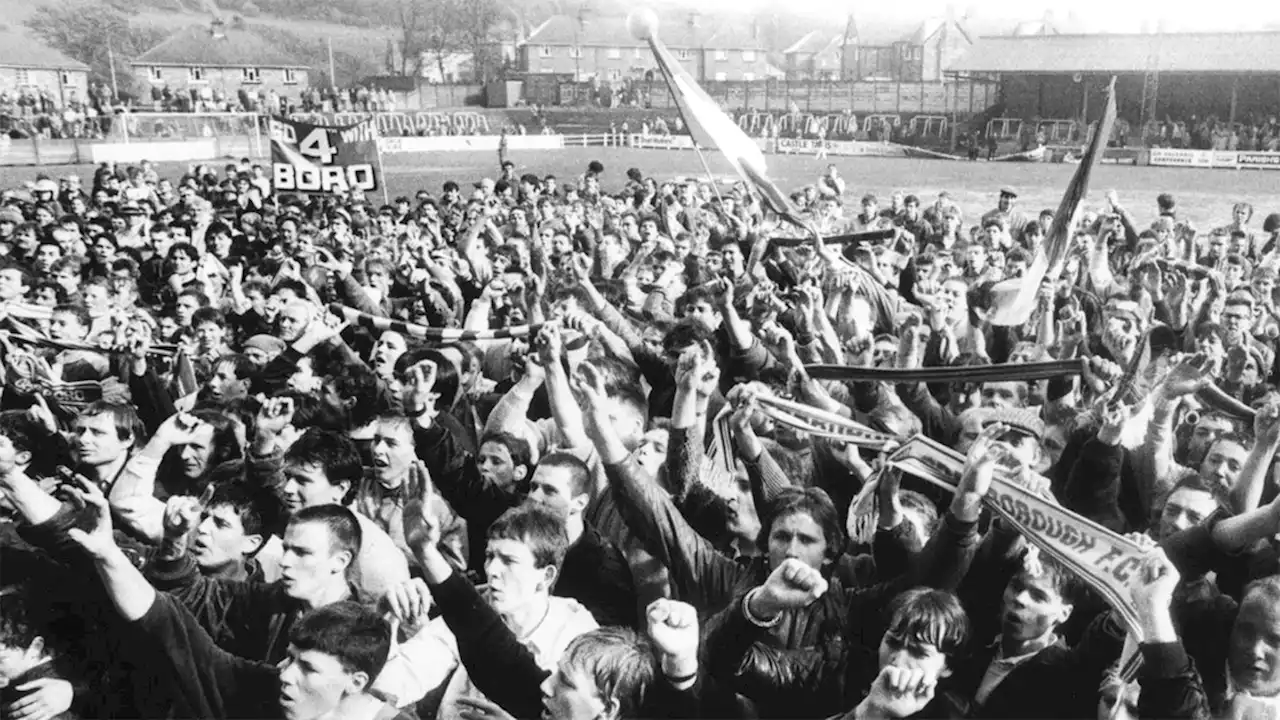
x: 359, y: 47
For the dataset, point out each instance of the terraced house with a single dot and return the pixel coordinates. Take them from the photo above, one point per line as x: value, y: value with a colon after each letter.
x: 223, y: 58
x: 589, y: 47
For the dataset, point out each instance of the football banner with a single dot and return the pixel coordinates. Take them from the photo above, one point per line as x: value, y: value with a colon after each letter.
x: 1103, y: 559
x: 323, y: 159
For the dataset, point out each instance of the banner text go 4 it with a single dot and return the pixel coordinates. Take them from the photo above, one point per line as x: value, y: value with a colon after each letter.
x: 322, y: 159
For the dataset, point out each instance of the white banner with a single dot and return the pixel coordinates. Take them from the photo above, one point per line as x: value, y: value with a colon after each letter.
x: 158, y: 151
x: 1258, y: 160
x: 1169, y: 157
x: 464, y: 143
x: 663, y: 142
x: 844, y: 148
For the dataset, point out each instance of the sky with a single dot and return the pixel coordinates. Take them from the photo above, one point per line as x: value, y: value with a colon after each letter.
x: 1088, y: 15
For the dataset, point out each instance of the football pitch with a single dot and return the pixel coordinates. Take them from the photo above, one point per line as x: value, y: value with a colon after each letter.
x: 1204, y: 196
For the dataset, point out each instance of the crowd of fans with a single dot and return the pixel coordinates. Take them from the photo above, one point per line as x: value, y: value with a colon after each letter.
x: 36, y: 112
x: 1213, y: 133
x: 223, y: 500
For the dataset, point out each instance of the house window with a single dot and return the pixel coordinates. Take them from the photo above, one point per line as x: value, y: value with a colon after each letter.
x: 23, y: 76
x: 615, y: 53
x: 65, y: 77
x: 683, y: 54
x: 615, y: 75
x: 252, y: 75
x: 638, y: 53
x: 722, y: 55
x: 154, y: 74
x: 544, y: 51
x: 195, y: 74
x: 290, y: 76
x: 575, y: 52
x: 721, y: 77
x: 748, y: 76
x: 748, y: 56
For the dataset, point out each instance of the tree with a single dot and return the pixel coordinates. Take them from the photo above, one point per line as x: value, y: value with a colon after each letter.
x: 476, y: 22
x: 414, y: 17
x: 82, y: 30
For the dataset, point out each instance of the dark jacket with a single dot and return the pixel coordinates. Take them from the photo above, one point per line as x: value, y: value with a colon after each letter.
x: 1171, y: 686
x: 248, y: 619
x: 210, y: 682
x: 821, y: 660
x: 594, y: 571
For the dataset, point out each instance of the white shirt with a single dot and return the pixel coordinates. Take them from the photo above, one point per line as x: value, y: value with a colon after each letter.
x: 380, y: 565
x: 426, y: 660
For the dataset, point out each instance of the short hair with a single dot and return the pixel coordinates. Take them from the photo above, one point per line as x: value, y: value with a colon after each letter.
x: 80, y: 312
x: 698, y: 293
x: 123, y: 415
x: 297, y: 287
x: 359, y: 384
x: 521, y: 454
x: 208, y: 315
x: 1268, y: 587
x: 1061, y: 578
x: 259, y: 510
x: 684, y: 334
x: 579, y: 473
x: 20, y: 623
x: 923, y: 616
x: 355, y: 635
x: 241, y: 364
x: 21, y: 430
x: 335, y: 452
x: 202, y: 300
x: 921, y: 505
x: 345, y: 534
x: 811, y: 501
x: 538, y: 528
x: 619, y: 661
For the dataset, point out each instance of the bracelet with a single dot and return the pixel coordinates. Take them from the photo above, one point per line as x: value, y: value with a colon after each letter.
x: 746, y: 611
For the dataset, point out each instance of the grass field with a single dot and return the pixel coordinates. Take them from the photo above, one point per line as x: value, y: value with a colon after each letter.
x: 1204, y: 196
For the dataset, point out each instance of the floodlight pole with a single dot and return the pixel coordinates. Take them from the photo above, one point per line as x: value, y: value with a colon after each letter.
x: 111, y: 60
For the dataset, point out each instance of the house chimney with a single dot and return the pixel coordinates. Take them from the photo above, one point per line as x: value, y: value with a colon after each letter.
x: 694, y: 17
x: 582, y: 19
x: 755, y: 28
x: 218, y: 28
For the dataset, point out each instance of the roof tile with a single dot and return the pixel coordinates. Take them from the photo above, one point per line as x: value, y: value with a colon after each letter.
x: 197, y: 45
x: 20, y: 50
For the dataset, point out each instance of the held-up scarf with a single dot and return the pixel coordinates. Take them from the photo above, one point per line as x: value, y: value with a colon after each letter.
x: 382, y: 324
x: 1100, y: 557
x: 968, y: 373
x: 822, y: 423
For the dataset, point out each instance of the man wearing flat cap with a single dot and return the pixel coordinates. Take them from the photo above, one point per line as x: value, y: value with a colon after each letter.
x: 1014, y: 219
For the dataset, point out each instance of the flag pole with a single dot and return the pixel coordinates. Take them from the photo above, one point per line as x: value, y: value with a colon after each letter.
x: 382, y: 172
x: 671, y: 85
x: 707, y: 169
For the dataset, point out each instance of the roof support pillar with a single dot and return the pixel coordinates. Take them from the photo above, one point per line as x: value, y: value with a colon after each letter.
x: 1235, y: 92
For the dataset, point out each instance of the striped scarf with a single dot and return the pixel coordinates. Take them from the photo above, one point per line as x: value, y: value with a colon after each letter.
x: 382, y: 324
